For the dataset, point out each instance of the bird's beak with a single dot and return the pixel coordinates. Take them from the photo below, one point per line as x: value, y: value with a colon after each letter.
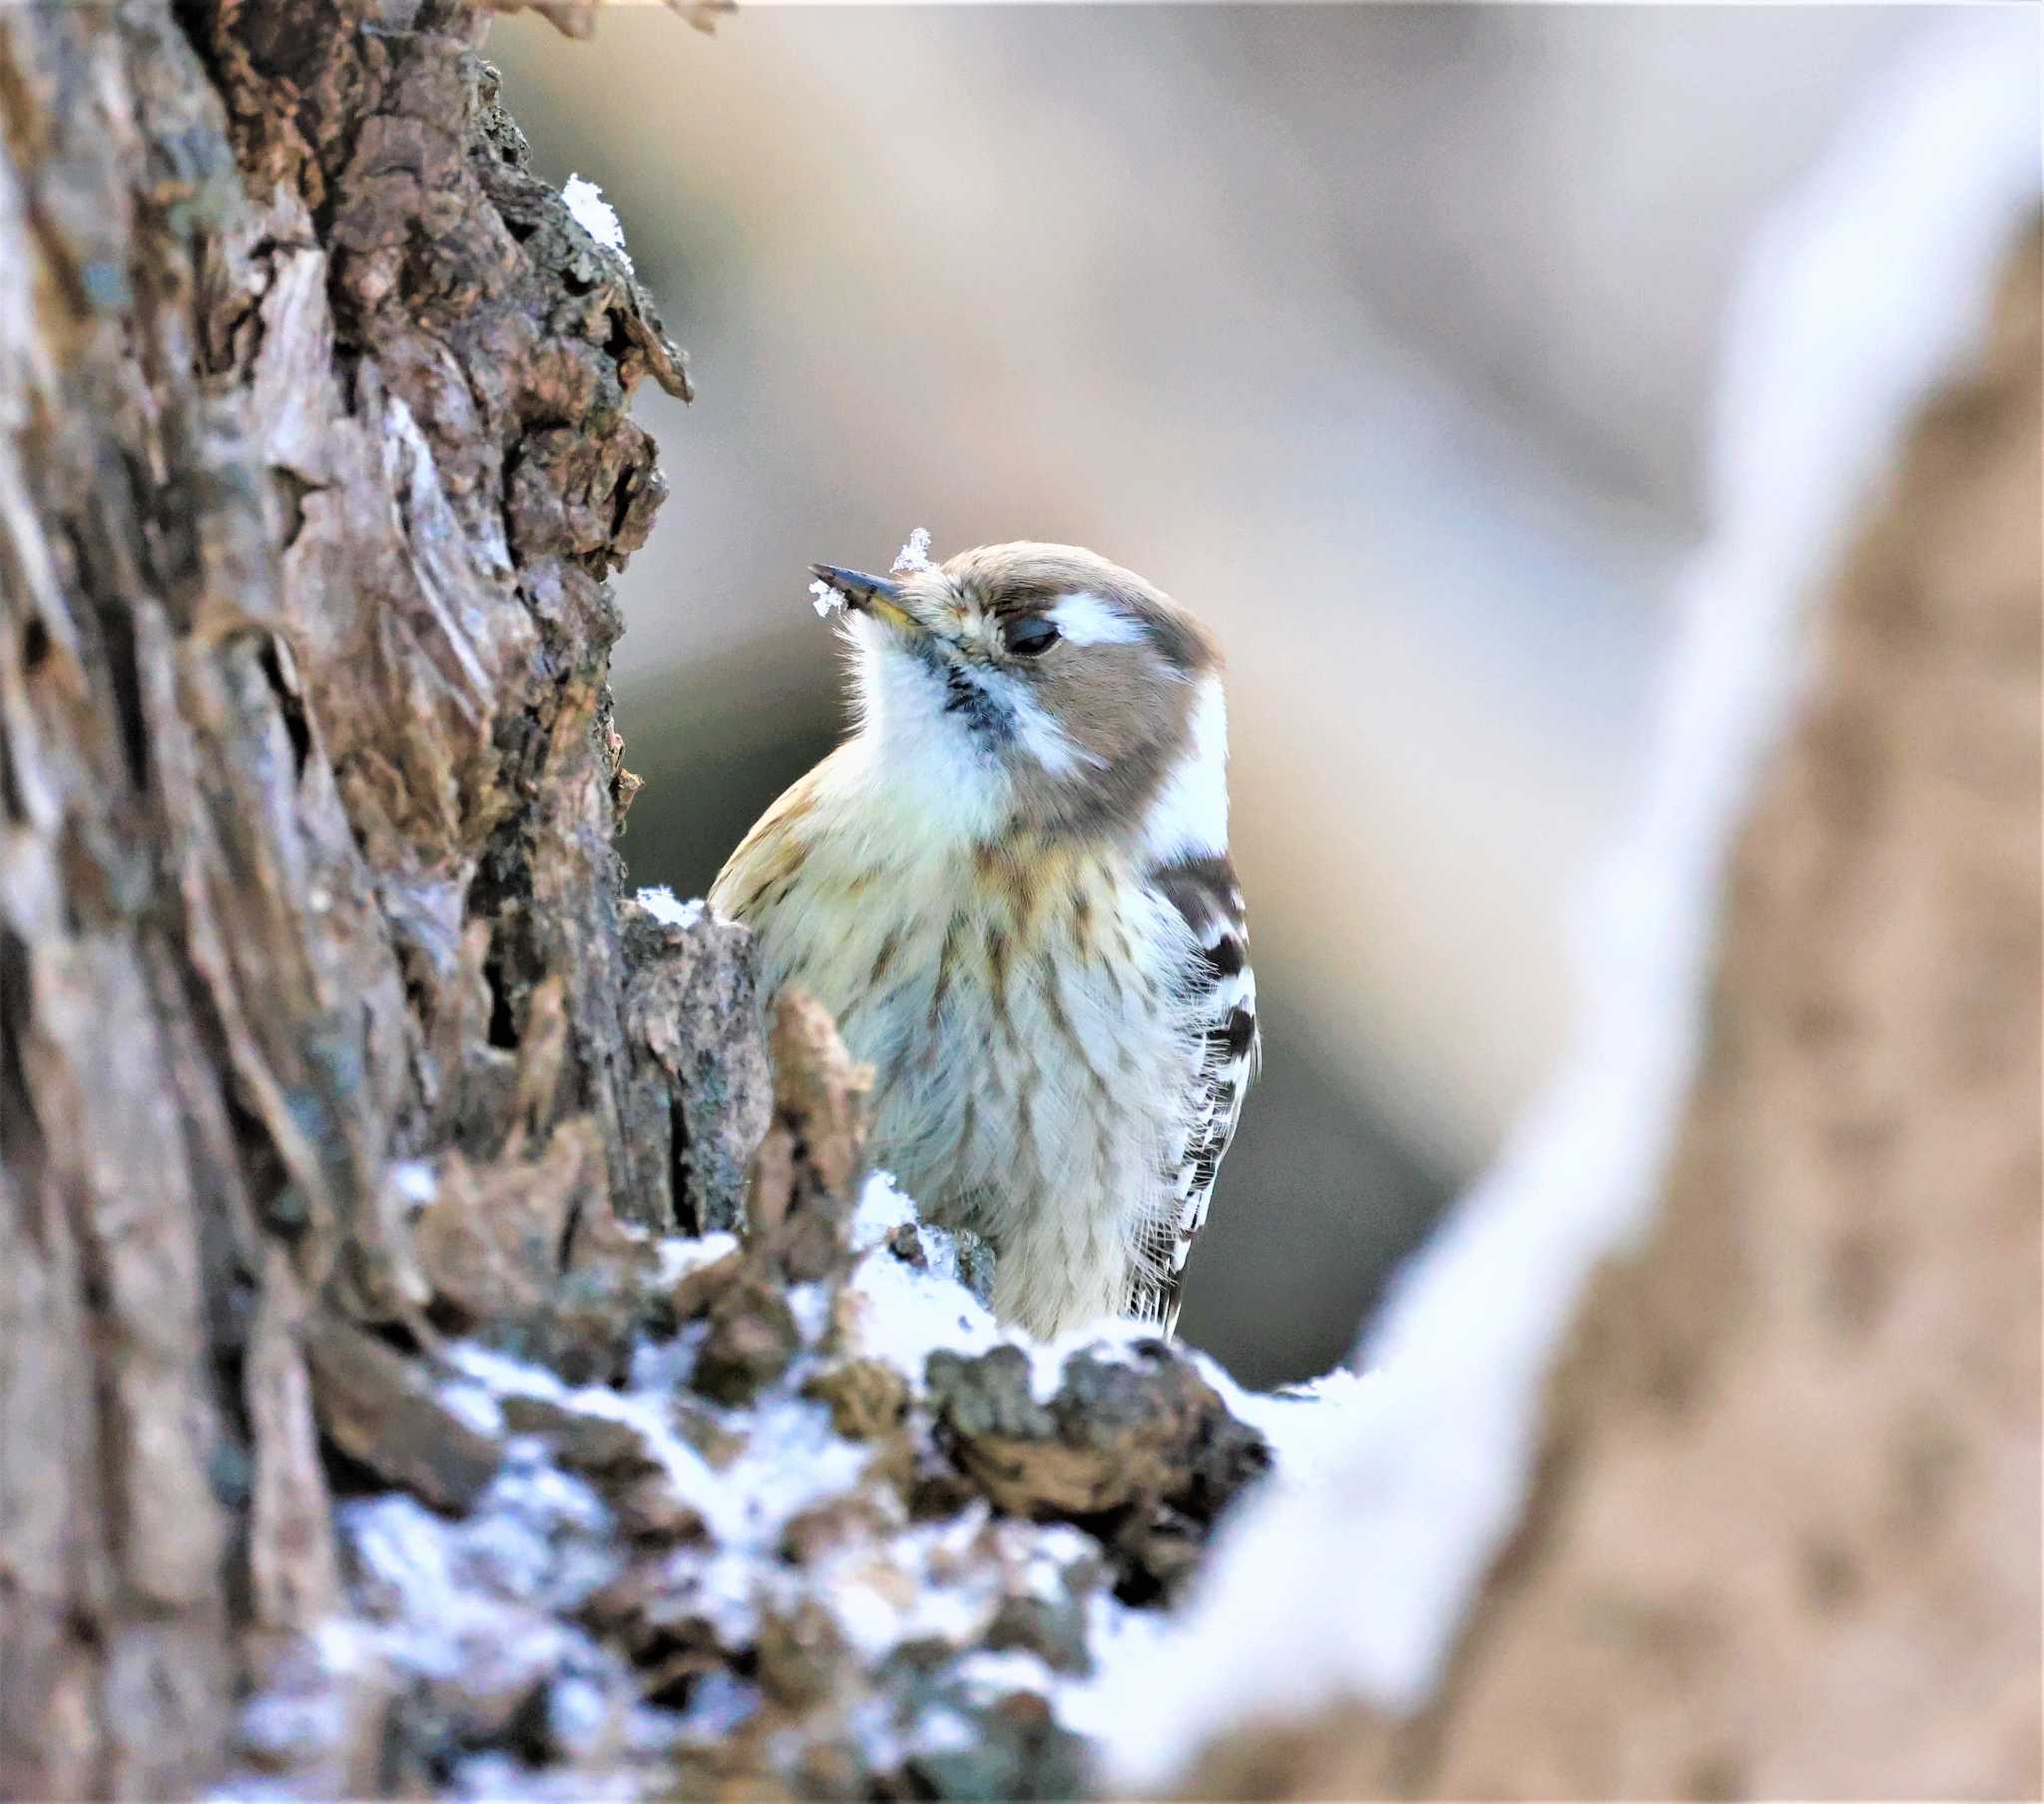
x: 879, y: 595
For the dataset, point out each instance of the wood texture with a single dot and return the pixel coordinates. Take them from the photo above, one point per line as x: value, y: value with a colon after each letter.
x: 314, y: 459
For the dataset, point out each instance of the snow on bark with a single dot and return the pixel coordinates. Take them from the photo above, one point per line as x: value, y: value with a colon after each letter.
x: 807, y: 1517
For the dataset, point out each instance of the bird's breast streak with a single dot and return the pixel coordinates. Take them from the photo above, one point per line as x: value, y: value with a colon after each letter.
x: 1024, y: 1041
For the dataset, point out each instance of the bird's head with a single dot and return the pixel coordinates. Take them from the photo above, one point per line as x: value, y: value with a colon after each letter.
x: 1039, y: 687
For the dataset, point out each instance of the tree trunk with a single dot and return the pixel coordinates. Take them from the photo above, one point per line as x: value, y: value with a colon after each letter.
x: 314, y: 459
x: 1785, y: 1537
x: 1793, y: 1535
x: 352, y: 1116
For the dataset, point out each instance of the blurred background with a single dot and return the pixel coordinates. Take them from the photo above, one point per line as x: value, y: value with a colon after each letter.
x: 1380, y: 336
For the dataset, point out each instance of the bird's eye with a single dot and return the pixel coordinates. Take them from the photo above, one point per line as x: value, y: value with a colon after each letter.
x: 1029, y: 637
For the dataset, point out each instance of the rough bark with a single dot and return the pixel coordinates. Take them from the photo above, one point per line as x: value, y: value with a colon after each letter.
x: 1784, y: 1540
x: 327, y: 1039
x: 314, y: 459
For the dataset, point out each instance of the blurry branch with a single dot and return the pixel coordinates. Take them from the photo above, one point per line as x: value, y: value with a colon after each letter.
x: 1753, y: 1511
x: 1783, y: 1537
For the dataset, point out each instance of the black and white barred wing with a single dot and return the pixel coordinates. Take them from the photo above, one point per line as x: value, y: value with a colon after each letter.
x: 1221, y: 1066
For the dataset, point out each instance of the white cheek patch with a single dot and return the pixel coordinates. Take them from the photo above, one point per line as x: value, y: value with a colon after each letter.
x: 953, y: 775
x: 1188, y: 818
x: 922, y: 760
x: 1084, y: 619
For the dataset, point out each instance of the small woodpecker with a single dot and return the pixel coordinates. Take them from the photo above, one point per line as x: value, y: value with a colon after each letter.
x: 1011, y: 885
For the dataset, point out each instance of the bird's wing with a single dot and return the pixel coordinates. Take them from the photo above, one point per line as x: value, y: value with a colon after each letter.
x: 1222, y: 1066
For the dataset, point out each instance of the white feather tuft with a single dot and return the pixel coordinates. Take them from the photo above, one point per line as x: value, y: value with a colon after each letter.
x: 1190, y: 815
x: 1086, y: 619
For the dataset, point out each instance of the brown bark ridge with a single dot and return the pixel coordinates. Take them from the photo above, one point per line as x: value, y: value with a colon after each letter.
x: 374, y: 1416
x: 314, y: 458
x: 1785, y: 1539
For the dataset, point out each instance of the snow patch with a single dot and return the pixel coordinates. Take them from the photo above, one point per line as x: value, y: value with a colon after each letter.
x: 790, y: 1457
x: 680, y: 1256
x: 809, y: 1304
x: 662, y: 904
x: 475, y: 1404
x: 915, y: 554
x: 942, y: 1731
x: 414, y: 1182
x: 989, y: 1673
x: 1309, y: 1426
x: 881, y: 1208
x: 596, y: 215
x: 903, y: 1315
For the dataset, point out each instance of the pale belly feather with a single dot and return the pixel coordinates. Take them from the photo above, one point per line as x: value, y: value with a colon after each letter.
x: 1031, y: 1047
